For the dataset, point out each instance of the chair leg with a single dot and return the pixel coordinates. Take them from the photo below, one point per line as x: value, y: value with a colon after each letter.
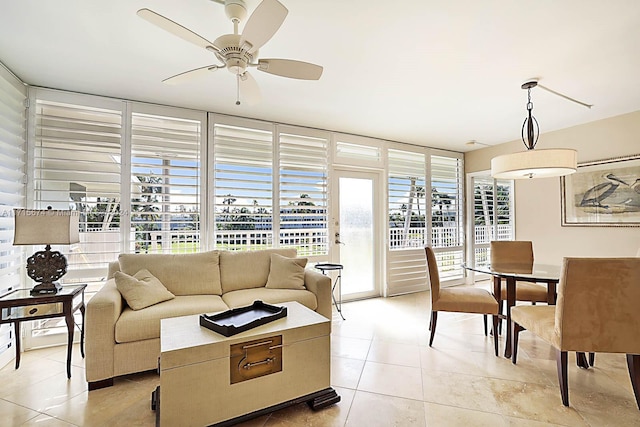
x: 495, y: 333
x: 633, y: 363
x: 497, y: 294
x: 485, y: 325
x: 434, y: 320
x: 561, y: 360
x: 581, y: 360
x: 515, y: 334
x: 592, y: 359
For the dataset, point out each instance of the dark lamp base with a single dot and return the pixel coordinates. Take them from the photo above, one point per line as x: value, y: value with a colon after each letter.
x: 46, y: 288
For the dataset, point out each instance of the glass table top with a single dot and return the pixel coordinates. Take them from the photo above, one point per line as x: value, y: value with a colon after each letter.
x: 26, y: 293
x: 535, y: 271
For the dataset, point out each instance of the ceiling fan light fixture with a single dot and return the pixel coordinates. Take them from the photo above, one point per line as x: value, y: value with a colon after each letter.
x: 534, y: 163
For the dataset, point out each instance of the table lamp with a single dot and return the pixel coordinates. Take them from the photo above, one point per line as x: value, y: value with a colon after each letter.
x: 46, y: 227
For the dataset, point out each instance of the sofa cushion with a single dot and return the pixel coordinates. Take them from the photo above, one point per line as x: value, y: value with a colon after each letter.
x: 142, y: 289
x: 145, y: 324
x: 247, y: 269
x: 181, y: 274
x: 246, y: 297
x: 286, y: 273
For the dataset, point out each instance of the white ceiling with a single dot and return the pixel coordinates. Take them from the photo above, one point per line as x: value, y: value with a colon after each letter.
x: 428, y: 72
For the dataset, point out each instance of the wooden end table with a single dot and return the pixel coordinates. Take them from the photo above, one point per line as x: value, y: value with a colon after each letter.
x: 19, y: 305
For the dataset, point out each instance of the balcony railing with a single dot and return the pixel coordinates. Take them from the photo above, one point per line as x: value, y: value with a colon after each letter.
x: 485, y: 233
x: 441, y: 237
x: 89, y: 258
x: 97, y: 246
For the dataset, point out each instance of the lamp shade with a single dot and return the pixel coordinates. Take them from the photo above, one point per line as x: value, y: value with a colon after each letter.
x: 46, y: 227
x: 535, y: 164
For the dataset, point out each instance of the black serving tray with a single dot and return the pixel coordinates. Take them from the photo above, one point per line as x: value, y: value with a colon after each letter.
x: 242, y: 319
x: 328, y: 266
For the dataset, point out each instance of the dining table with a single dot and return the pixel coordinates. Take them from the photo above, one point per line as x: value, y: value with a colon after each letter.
x: 548, y: 274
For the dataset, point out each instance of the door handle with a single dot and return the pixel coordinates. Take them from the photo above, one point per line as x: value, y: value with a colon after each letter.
x: 337, y: 241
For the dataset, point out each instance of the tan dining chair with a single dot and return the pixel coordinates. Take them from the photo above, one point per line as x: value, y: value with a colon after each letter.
x: 596, y: 311
x: 459, y: 299
x: 517, y: 252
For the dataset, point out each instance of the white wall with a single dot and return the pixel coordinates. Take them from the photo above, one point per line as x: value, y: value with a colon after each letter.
x: 537, y: 201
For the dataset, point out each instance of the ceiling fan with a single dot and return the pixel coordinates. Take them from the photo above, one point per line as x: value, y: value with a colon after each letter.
x: 239, y: 51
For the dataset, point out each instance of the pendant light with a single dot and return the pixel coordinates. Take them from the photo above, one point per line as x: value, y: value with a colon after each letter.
x: 534, y: 163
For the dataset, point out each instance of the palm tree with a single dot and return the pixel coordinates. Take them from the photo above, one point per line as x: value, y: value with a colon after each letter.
x: 407, y: 218
x: 420, y: 193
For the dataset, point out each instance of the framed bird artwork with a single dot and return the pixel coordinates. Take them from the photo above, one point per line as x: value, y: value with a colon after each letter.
x: 603, y: 193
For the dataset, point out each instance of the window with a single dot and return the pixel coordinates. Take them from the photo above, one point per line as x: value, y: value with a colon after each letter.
x: 407, y: 199
x: 353, y: 150
x: 447, y: 232
x: 407, y: 213
x: 492, y: 214
x: 243, y: 187
x: 252, y: 179
x: 165, y: 183
x: 12, y: 177
x: 303, y: 193
x: 77, y: 152
x: 76, y: 165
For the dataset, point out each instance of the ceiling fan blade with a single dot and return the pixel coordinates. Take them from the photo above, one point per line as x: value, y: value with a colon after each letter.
x: 263, y: 24
x: 290, y: 68
x: 175, y: 29
x: 190, y: 75
x: 249, y: 90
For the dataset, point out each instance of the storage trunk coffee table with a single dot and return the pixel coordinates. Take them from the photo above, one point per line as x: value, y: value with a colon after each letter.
x: 207, y: 378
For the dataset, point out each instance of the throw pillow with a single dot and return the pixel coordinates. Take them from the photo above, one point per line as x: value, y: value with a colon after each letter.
x: 286, y: 273
x: 142, y: 289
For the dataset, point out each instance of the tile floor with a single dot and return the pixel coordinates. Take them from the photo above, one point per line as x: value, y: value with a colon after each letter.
x: 383, y: 370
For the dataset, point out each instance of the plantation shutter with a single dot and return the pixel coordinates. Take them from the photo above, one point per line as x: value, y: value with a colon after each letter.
x: 351, y: 150
x: 505, y: 226
x: 492, y: 214
x: 243, y: 187
x: 406, y: 267
x: 407, y: 208
x: 77, y: 165
x: 303, y: 193
x: 447, y: 232
x: 165, y: 182
x: 12, y: 182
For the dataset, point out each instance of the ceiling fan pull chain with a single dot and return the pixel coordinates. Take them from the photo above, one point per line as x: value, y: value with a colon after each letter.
x: 237, y: 89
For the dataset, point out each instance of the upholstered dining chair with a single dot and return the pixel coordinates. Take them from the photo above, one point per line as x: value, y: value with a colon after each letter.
x: 517, y: 252
x: 596, y: 311
x: 459, y: 300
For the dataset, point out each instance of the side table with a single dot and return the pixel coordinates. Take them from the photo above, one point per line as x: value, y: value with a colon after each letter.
x: 324, y: 267
x: 19, y: 305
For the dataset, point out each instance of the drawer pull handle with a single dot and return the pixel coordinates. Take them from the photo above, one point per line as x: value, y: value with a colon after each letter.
x: 267, y: 361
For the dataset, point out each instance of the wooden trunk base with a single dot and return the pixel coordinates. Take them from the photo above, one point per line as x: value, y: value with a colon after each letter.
x: 316, y: 401
x: 95, y: 385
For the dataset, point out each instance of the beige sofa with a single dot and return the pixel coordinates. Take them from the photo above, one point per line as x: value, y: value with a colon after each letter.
x: 120, y: 340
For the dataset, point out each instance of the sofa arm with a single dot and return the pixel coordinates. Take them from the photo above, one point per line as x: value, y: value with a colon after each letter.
x: 320, y: 285
x: 103, y: 310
